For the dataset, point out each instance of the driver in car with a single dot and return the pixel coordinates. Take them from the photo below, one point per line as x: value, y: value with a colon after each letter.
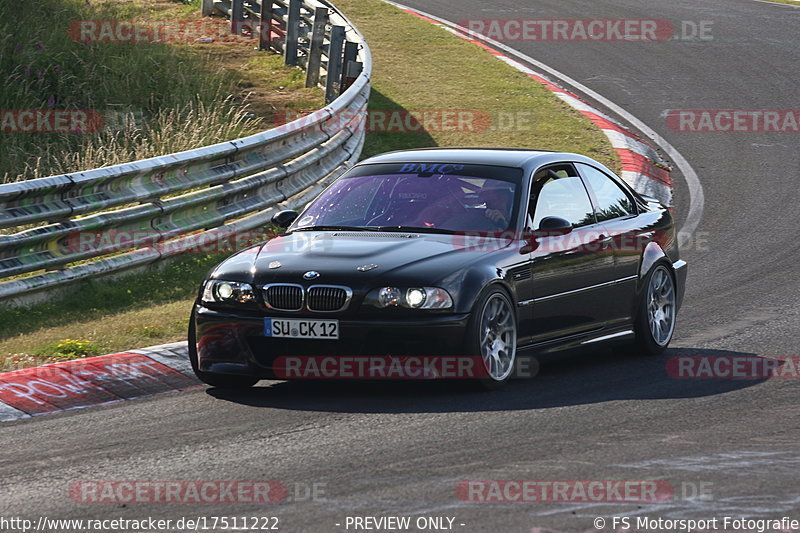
x: 498, y: 202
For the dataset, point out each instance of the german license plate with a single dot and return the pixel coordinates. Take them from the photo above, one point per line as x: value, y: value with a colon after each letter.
x: 298, y: 328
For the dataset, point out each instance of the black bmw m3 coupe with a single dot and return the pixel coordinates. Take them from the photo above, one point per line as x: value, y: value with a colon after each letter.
x: 488, y: 254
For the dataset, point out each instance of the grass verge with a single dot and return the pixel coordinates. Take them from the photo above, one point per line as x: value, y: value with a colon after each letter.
x: 446, y: 73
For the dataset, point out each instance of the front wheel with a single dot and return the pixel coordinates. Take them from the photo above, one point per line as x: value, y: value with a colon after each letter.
x: 223, y: 381
x: 493, y: 336
x: 655, y: 322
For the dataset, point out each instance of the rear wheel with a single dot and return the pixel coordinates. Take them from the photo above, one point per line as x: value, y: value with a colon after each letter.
x: 655, y: 322
x: 223, y: 381
x: 493, y: 337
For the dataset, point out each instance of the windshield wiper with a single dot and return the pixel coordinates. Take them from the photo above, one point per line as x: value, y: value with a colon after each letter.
x: 336, y: 228
x: 409, y: 229
x: 416, y: 229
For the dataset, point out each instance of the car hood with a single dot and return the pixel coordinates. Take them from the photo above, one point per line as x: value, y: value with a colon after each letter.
x: 346, y: 257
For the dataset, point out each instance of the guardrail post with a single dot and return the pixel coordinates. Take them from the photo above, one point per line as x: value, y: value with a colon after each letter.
x: 292, y: 32
x: 237, y: 16
x: 265, y: 26
x: 207, y: 7
x: 315, y: 48
x: 350, y: 56
x: 334, y: 63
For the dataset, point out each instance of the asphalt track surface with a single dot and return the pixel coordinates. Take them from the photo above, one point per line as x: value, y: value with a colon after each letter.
x: 400, y: 450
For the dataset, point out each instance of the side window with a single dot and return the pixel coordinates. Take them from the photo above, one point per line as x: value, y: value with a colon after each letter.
x: 612, y: 201
x: 559, y: 192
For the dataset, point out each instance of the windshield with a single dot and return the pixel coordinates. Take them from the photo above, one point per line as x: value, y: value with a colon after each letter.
x: 432, y: 197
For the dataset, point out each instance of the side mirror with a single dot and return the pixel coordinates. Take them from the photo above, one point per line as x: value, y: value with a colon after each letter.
x: 555, y: 226
x: 283, y: 219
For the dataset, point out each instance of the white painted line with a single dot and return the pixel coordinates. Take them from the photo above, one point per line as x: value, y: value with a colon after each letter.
x: 624, y: 142
x: 696, y: 194
x: 8, y: 413
x: 174, y: 355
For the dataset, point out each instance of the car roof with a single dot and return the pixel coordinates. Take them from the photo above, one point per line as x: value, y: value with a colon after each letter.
x: 508, y: 157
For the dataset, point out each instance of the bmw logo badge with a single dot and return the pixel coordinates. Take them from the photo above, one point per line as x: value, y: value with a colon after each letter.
x: 311, y: 274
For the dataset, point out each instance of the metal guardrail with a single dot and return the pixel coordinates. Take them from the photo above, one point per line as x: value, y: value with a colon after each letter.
x: 158, y: 207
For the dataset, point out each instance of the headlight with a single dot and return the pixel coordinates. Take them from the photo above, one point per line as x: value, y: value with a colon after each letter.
x: 218, y: 291
x: 414, y: 298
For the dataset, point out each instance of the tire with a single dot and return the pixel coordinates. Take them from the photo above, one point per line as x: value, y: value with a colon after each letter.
x: 492, y: 335
x: 657, y: 312
x: 223, y: 381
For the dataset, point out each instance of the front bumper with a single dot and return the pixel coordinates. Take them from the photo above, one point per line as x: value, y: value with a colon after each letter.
x: 233, y: 343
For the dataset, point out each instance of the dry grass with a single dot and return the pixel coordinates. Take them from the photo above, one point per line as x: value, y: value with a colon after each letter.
x: 154, y: 98
x: 169, y: 131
